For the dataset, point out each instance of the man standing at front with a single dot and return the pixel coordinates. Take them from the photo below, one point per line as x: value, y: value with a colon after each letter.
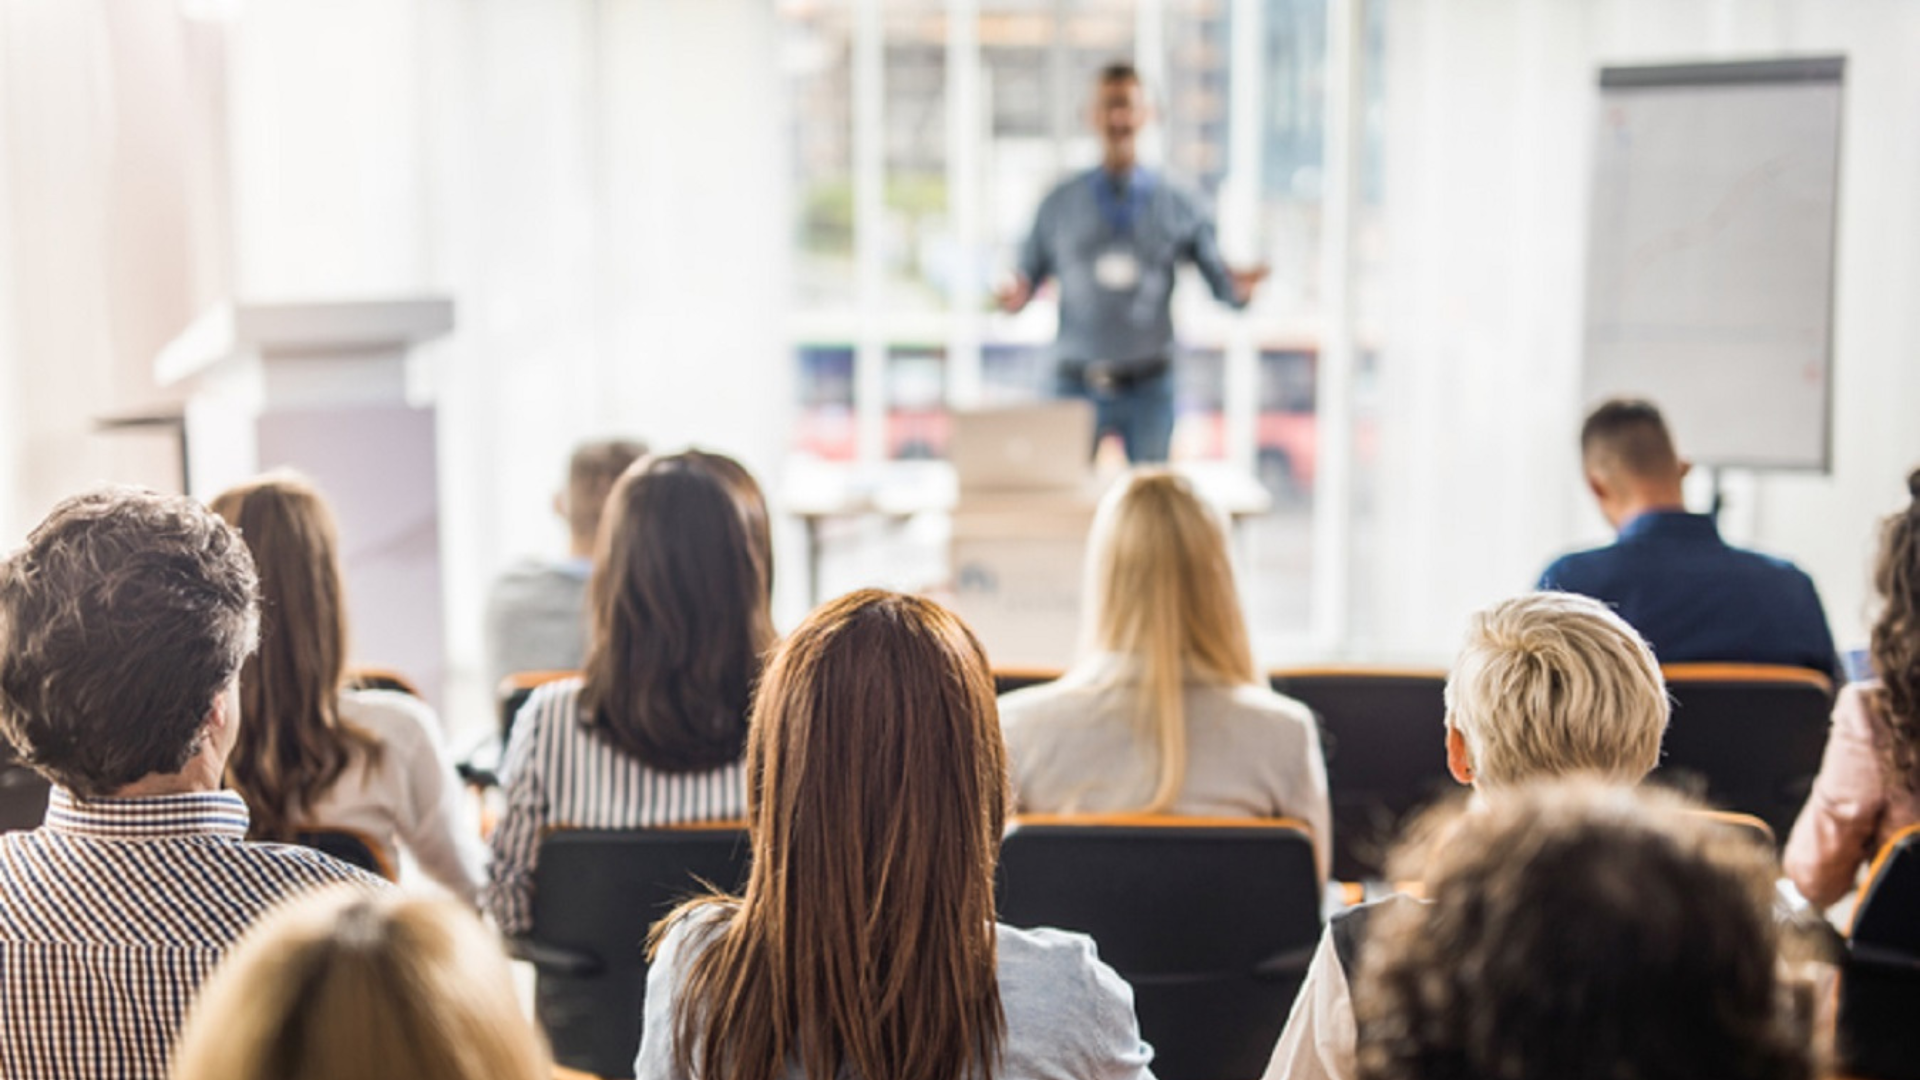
x: 123, y: 624
x: 1113, y: 237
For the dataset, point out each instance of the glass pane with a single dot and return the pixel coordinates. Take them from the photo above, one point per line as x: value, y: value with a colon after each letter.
x: 1199, y: 405
x: 1285, y: 437
x: 917, y: 235
x: 826, y: 426
x: 817, y: 55
x: 917, y: 421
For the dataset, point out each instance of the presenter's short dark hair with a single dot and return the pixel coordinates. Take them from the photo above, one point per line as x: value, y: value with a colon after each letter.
x: 1580, y: 931
x: 121, y: 621
x: 1118, y: 71
x: 1630, y: 435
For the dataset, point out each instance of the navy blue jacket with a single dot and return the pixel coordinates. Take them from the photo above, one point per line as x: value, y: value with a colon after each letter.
x: 1696, y: 598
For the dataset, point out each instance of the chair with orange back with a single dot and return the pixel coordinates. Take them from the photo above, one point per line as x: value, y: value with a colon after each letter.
x: 1383, y: 731
x: 1212, y: 921
x: 1746, y: 737
x: 1880, y: 984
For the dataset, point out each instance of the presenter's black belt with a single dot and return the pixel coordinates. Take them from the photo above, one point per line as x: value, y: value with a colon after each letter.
x: 1104, y: 376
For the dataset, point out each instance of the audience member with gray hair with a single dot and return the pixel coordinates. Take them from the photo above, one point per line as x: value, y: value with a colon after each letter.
x: 123, y: 625
x: 1546, y: 685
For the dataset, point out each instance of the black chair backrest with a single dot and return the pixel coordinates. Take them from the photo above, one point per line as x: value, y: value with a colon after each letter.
x: 1384, y: 735
x: 1880, y: 986
x: 1007, y: 680
x: 596, y: 895
x: 1746, y: 737
x: 23, y: 797
x: 347, y: 846
x: 515, y: 689
x: 379, y: 678
x: 1211, y: 921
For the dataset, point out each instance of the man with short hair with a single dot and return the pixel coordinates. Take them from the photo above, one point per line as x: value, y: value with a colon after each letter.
x: 536, y: 610
x: 1693, y: 596
x: 1114, y: 237
x: 123, y: 624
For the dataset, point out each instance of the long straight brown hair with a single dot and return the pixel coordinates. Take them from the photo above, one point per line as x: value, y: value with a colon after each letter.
x: 877, y: 793
x: 680, y: 612
x: 293, y: 743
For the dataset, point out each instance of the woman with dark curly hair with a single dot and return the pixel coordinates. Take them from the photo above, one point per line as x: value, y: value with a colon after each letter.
x: 1580, y: 931
x: 1869, y: 782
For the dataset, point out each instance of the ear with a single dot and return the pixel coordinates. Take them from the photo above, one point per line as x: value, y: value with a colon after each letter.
x: 560, y: 504
x: 1596, y: 485
x: 1685, y: 468
x: 224, y: 713
x: 1459, y: 761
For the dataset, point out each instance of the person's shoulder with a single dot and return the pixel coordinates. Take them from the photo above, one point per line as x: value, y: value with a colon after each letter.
x: 1044, y: 955
x: 1035, y: 702
x: 1576, y: 571
x: 390, y: 716
x: 1777, y: 567
x: 292, y: 868
x: 1258, y: 702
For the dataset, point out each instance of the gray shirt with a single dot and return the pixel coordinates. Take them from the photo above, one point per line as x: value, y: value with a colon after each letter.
x: 1115, y: 253
x: 537, y: 618
x: 1069, y: 1016
x: 1076, y: 747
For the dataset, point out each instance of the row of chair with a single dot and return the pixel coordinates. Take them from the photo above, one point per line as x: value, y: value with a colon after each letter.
x: 1212, y: 921
x: 1745, y: 737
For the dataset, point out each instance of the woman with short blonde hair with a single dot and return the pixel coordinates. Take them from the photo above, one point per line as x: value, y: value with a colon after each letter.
x: 1552, y: 683
x: 350, y: 985
x: 1165, y: 712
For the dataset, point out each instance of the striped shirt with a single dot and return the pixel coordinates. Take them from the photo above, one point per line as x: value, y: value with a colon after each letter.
x: 111, y: 915
x: 558, y: 774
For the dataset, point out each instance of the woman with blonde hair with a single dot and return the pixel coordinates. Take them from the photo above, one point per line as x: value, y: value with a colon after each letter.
x: 652, y: 732
x: 865, y: 943
x: 312, y: 754
x: 351, y: 985
x: 1869, y: 782
x: 1165, y: 711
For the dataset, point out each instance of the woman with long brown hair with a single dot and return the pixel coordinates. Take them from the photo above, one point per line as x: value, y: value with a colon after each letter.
x: 865, y: 944
x: 312, y: 754
x: 1869, y: 782
x: 1165, y: 712
x: 652, y: 732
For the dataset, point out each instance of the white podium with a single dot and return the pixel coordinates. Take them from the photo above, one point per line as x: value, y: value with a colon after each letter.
x: 321, y: 387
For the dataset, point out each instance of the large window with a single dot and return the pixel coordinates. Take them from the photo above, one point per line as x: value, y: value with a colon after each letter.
x: 924, y: 133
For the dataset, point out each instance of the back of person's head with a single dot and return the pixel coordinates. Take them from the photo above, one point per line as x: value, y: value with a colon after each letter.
x: 877, y: 791
x: 349, y: 985
x: 680, y: 614
x: 1553, y: 683
x: 1895, y: 643
x: 1626, y: 439
x: 293, y: 744
x: 752, y: 501
x: 591, y: 471
x: 1579, y: 931
x: 1160, y: 593
x: 122, y: 619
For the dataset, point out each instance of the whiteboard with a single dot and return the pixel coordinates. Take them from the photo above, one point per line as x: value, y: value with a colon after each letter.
x: 1711, y: 252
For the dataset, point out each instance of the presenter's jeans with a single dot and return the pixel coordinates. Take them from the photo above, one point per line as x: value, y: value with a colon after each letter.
x: 1140, y: 412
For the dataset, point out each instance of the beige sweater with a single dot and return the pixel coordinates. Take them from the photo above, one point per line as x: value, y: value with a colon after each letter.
x: 1077, y: 747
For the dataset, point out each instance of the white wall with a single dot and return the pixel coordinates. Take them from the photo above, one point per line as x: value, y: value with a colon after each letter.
x: 1489, y: 106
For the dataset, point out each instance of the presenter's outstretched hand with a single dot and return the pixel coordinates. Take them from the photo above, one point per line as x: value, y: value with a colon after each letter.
x: 1014, y: 295
x: 1247, y: 280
